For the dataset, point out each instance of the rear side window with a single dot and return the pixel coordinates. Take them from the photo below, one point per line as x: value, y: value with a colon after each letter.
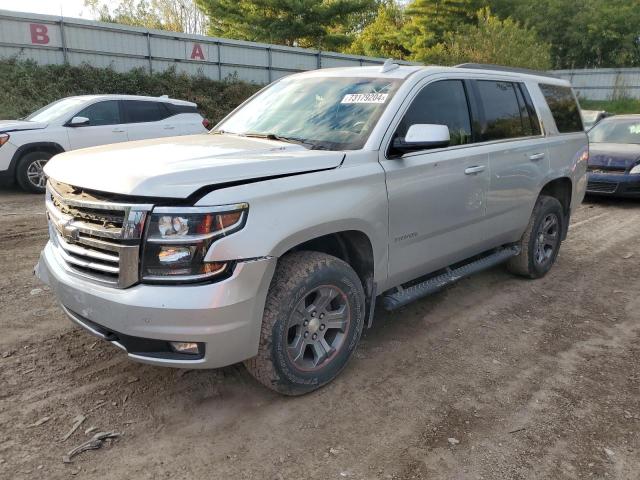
x: 138, y: 111
x: 177, y: 109
x: 530, y: 121
x: 564, y: 108
x: 440, y: 103
x: 505, y: 116
x: 102, y: 113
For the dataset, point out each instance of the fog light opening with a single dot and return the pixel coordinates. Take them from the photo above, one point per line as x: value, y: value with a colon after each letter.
x: 188, y: 348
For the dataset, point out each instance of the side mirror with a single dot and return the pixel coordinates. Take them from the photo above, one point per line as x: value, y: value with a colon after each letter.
x: 422, y: 136
x: 79, y: 122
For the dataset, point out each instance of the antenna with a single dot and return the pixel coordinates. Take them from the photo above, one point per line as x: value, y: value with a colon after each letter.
x: 389, y: 66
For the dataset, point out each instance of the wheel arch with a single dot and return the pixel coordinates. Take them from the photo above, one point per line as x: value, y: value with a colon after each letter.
x: 353, y: 247
x: 50, y: 147
x: 561, y: 188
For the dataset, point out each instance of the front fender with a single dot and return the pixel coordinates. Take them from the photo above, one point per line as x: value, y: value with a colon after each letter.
x: 288, y: 211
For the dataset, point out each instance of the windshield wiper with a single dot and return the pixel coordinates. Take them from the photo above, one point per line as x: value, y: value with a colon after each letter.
x: 281, y: 138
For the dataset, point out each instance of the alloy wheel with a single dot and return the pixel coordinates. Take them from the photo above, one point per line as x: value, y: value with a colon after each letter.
x: 35, y: 173
x: 318, y: 327
x: 547, y: 239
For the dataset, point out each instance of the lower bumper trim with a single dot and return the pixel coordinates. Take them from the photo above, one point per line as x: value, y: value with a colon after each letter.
x: 137, y: 347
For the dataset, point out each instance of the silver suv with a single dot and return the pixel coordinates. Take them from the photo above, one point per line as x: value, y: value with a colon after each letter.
x: 268, y: 241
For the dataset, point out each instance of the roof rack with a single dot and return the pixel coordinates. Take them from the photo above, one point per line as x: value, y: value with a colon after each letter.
x: 500, y: 68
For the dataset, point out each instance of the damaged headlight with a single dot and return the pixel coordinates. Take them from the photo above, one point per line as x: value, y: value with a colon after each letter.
x: 178, y: 239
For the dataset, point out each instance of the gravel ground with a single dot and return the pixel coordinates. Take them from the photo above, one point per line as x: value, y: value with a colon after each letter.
x: 493, y: 378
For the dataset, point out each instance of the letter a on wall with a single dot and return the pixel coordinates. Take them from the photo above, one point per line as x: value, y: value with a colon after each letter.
x: 196, y: 52
x: 39, y: 33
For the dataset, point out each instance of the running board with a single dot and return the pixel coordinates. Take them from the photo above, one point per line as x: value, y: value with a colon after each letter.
x: 402, y: 296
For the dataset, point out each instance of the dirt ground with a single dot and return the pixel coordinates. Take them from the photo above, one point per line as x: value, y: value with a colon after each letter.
x: 493, y: 378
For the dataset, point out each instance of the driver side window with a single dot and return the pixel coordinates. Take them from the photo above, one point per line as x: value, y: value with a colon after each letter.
x: 102, y: 113
x: 440, y: 103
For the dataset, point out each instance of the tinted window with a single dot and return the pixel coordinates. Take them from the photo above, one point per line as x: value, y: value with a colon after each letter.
x: 102, y: 113
x: 564, y: 108
x: 502, y: 111
x: 530, y: 122
x: 137, y: 111
x: 440, y: 103
x: 177, y: 109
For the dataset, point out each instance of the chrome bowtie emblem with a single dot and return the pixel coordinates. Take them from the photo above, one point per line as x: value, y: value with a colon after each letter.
x: 70, y: 232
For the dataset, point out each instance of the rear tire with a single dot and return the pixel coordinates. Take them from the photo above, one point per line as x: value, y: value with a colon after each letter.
x: 30, y: 174
x: 540, y: 243
x: 313, y: 318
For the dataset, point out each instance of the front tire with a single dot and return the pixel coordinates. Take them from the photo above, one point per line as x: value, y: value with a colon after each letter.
x: 541, y: 241
x: 30, y: 174
x: 313, y: 319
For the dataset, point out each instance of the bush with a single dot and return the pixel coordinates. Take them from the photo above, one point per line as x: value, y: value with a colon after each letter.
x: 618, y: 106
x: 26, y: 86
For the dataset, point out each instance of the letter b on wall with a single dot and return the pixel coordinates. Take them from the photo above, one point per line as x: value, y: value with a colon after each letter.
x: 39, y: 33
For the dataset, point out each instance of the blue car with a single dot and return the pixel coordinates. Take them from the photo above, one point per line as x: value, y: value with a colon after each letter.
x: 614, y: 157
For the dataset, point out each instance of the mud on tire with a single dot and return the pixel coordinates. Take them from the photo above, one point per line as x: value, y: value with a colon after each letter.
x: 303, y: 282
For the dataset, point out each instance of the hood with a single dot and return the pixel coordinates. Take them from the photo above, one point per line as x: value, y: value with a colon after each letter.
x: 14, y: 125
x: 178, y: 166
x: 614, y: 156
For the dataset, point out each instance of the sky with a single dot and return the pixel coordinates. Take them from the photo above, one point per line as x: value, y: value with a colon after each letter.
x: 68, y: 8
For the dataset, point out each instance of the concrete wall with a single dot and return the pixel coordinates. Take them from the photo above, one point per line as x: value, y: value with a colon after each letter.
x: 48, y: 39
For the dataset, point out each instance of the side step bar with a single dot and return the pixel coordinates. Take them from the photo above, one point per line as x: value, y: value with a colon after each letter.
x: 402, y: 296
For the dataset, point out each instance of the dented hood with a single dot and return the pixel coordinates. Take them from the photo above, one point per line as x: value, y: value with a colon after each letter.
x: 613, y: 155
x: 15, y: 125
x: 178, y: 166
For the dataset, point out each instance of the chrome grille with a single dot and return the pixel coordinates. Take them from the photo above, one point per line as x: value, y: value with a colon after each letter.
x: 96, y: 238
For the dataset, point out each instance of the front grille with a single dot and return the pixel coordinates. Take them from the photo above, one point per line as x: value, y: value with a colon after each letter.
x: 609, y: 170
x: 96, y: 238
x: 601, y: 187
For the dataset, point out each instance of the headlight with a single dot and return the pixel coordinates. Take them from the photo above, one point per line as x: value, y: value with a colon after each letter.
x: 4, y: 138
x: 178, y: 238
x: 635, y: 169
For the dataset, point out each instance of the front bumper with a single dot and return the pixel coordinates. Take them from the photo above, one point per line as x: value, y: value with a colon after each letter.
x: 611, y: 184
x: 225, y: 317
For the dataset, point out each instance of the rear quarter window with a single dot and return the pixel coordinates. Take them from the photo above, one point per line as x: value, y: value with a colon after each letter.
x: 564, y: 108
x: 140, y: 111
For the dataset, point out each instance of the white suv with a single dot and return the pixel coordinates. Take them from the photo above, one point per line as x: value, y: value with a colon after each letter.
x: 86, y: 121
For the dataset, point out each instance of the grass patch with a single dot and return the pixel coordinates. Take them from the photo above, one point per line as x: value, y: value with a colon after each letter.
x: 26, y: 86
x: 619, y: 106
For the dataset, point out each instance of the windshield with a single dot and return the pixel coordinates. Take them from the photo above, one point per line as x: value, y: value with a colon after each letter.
x: 329, y: 113
x: 58, y: 109
x: 616, y: 131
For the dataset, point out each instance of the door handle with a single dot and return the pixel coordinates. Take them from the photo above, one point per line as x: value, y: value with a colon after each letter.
x: 536, y: 156
x: 169, y: 127
x: 474, y: 170
x: 117, y: 130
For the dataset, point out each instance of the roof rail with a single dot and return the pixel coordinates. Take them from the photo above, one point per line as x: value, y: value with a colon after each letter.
x: 500, y: 68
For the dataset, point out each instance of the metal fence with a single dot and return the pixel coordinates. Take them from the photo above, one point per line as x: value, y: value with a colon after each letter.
x: 55, y: 40
x: 604, y: 83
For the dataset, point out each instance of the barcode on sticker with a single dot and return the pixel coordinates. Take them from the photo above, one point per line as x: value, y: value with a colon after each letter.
x: 365, y: 98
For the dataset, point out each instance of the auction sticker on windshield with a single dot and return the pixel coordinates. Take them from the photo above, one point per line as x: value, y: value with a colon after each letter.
x: 365, y: 98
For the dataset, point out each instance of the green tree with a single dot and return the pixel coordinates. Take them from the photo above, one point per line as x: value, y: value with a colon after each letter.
x: 384, y: 37
x: 582, y: 33
x: 428, y: 21
x: 173, y: 15
x: 492, y: 40
x: 323, y: 24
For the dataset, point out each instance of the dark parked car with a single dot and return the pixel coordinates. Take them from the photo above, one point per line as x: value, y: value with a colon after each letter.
x: 614, y: 159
